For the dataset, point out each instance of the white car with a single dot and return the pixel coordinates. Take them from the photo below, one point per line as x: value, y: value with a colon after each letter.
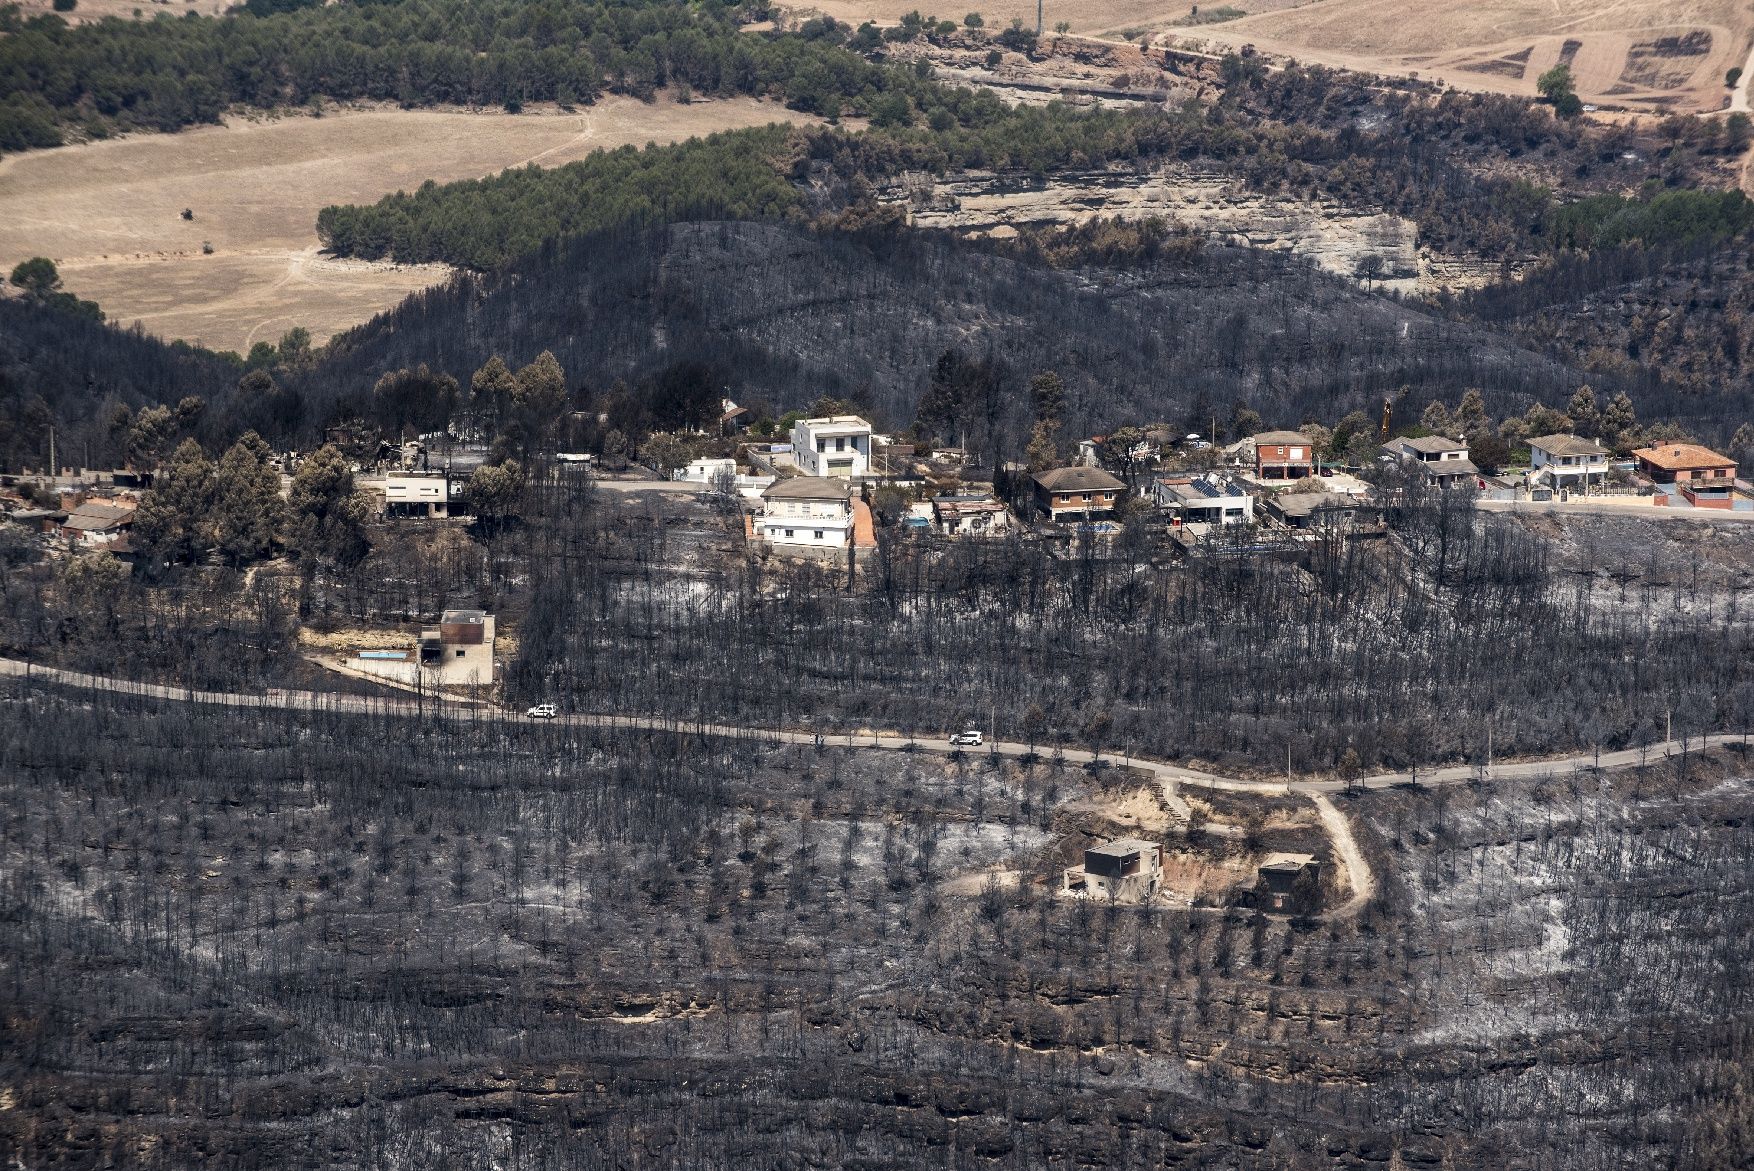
x: 543, y: 711
x: 970, y: 737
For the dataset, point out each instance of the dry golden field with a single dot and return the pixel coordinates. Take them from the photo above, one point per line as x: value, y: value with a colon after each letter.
x: 109, y: 213
x: 1653, y: 55
x: 89, y: 10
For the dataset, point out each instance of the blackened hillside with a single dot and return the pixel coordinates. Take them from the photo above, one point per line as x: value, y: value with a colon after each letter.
x: 790, y: 315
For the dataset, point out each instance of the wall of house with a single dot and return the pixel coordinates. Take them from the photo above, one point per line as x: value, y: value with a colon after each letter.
x: 1075, y: 502
x: 845, y: 455
x: 465, y: 665
x: 1282, y: 460
x: 807, y: 523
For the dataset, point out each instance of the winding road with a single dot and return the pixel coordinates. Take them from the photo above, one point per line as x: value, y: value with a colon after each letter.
x: 1170, y: 777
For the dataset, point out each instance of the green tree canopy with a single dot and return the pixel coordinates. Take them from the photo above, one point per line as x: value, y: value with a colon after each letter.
x: 37, y: 277
x: 247, y: 509
x: 327, y: 512
x: 493, y: 492
x: 173, y: 522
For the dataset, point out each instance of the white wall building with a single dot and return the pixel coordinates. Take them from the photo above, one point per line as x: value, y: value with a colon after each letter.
x: 417, y: 494
x: 1204, y: 499
x: 806, y: 512
x: 1567, y: 461
x: 706, y: 471
x: 969, y: 513
x: 836, y: 446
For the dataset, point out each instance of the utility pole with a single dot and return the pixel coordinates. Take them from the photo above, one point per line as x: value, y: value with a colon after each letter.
x: 1038, y: 4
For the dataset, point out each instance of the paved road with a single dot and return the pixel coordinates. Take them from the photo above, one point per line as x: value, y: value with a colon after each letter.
x: 1644, y: 511
x: 1169, y: 776
x: 650, y: 486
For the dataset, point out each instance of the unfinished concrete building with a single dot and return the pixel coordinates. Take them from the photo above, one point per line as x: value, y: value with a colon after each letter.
x: 1127, y: 871
x: 1290, y: 882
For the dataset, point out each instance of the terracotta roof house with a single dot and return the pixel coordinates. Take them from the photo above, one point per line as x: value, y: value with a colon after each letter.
x: 1077, y: 493
x: 1704, y: 477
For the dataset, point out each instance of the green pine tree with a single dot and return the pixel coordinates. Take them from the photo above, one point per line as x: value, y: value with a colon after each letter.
x: 247, y: 509
x: 173, y: 521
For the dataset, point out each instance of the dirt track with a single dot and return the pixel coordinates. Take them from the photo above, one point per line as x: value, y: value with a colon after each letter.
x: 1360, y: 878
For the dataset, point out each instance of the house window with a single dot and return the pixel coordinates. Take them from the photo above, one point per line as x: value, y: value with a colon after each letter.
x: 1087, y: 498
x: 840, y: 444
x: 459, y: 653
x: 818, y: 534
x: 1297, y: 453
x: 821, y: 445
x: 788, y: 534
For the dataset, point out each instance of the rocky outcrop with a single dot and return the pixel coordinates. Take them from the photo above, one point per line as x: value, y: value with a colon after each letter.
x: 1338, y: 238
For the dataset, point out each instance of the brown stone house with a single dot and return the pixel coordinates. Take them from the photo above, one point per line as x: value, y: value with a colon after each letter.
x: 1077, y: 494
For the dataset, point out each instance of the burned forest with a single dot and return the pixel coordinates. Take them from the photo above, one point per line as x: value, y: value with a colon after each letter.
x: 1048, y: 592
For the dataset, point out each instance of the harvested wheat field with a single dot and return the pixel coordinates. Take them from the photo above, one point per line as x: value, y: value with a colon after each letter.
x: 110, y: 213
x: 1082, y: 18
x: 1660, y: 56
x: 87, y: 11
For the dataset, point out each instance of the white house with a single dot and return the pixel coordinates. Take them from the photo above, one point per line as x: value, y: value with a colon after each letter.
x: 960, y: 513
x: 839, y: 445
x: 722, y: 473
x: 706, y: 471
x: 417, y: 494
x: 1568, y: 461
x: 806, y: 512
x: 1208, y: 498
x: 1444, y: 461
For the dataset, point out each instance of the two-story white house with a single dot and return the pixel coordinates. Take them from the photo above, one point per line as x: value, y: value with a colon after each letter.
x: 417, y: 494
x: 1567, y: 461
x: 839, y: 445
x: 806, y: 512
x: 1443, y: 461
